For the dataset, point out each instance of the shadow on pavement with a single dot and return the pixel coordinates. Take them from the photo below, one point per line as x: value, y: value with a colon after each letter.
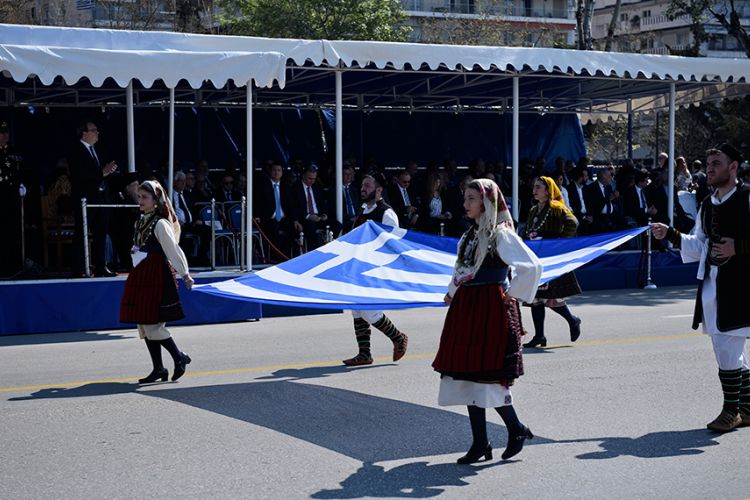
x: 414, y: 480
x: 316, y: 371
x: 95, y: 389
x: 635, y: 297
x: 653, y: 445
x: 57, y: 338
x: 367, y: 428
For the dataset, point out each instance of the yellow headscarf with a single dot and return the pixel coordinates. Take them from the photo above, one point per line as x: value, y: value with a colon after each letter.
x: 555, y: 195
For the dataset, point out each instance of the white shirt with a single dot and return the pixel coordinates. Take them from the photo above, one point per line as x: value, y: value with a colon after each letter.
x: 405, y: 196
x: 312, y: 195
x: 277, y: 192
x: 641, y: 198
x: 694, y: 248
x: 91, y: 150
x: 165, y: 236
x: 389, y: 216
x: 436, y: 206
x: 580, y: 197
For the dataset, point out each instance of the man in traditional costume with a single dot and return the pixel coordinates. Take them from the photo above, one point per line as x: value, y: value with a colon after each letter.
x: 721, y: 244
x: 376, y: 210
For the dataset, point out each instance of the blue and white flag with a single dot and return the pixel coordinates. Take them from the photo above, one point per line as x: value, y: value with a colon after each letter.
x: 380, y: 267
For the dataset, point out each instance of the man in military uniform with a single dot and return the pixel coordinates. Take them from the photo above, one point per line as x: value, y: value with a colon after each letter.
x: 12, y: 192
x: 720, y: 242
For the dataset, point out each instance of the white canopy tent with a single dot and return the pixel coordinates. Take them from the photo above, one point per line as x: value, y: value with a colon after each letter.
x: 380, y: 76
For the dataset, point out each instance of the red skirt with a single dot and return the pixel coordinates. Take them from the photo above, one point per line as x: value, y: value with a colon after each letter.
x: 476, y: 343
x: 150, y: 294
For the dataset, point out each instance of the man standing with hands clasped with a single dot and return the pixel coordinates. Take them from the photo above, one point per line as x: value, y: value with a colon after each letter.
x: 721, y: 244
x: 89, y: 178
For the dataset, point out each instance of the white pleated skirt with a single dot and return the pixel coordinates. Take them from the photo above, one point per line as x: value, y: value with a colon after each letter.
x: 466, y: 393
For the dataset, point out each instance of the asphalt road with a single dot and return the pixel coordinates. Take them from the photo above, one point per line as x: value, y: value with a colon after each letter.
x: 267, y: 411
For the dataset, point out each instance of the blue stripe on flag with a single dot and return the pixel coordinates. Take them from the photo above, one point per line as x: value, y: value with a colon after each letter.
x: 379, y: 267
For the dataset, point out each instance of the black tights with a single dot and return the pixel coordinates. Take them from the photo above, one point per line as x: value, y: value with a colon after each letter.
x: 478, y: 421
x: 154, y: 350
x: 537, y: 315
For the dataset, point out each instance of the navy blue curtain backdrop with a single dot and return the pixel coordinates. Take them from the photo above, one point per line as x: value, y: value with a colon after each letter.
x: 218, y: 135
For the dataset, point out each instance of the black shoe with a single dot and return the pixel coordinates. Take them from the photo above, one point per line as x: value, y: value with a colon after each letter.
x: 475, y: 454
x: 155, y: 375
x: 179, y: 368
x: 537, y: 342
x: 515, y: 442
x: 575, y: 329
x: 104, y: 272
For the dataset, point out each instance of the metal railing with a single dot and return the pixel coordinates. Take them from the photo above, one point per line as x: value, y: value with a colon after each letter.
x: 240, y: 260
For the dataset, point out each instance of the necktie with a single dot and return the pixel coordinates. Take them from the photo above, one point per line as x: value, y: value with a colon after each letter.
x: 607, y: 204
x: 349, y: 205
x: 644, y: 205
x: 183, y: 206
x: 310, y: 209
x: 407, y: 201
x: 277, y: 195
x: 93, y: 155
x: 228, y: 195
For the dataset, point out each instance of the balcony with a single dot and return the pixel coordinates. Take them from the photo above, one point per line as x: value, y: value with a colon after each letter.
x: 657, y: 23
x: 428, y: 8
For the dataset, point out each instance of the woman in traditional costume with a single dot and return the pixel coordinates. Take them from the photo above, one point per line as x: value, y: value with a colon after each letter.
x: 150, y: 298
x: 480, y: 347
x: 550, y: 218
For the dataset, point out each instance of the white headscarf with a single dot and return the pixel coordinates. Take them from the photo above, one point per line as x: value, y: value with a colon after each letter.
x: 495, y: 216
x: 163, y: 205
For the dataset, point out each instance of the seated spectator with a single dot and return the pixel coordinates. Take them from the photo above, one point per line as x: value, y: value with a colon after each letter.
x: 683, y: 178
x: 455, y: 205
x: 191, y: 225
x: 311, y: 209
x: 436, y: 212
x: 636, y: 206
x: 559, y: 177
x: 602, y: 202
x: 227, y: 190
x: 403, y: 201
x: 580, y: 177
x: 350, y: 198
x: 272, y: 209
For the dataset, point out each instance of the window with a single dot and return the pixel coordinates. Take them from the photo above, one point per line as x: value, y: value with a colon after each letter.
x: 624, y: 16
x: 646, y: 13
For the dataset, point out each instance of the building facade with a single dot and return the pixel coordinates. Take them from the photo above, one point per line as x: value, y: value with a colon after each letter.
x: 643, y: 26
x: 541, y: 23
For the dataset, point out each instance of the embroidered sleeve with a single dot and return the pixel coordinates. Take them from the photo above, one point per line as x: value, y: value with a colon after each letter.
x: 526, y: 267
x: 175, y: 255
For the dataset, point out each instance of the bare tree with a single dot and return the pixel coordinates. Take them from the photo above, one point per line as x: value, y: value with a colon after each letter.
x: 584, y: 15
x: 612, y: 26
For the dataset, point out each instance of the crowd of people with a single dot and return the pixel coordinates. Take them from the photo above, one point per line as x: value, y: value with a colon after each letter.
x: 294, y: 202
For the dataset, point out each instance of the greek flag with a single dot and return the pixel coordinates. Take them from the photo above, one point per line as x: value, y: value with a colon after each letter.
x: 381, y: 267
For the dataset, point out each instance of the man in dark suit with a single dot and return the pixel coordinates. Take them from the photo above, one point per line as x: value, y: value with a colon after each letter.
x: 350, y: 199
x: 311, y: 208
x: 601, y: 202
x: 636, y: 206
x: 579, y: 177
x: 272, y: 208
x: 89, y: 178
x: 227, y: 190
x: 191, y: 225
x: 403, y: 201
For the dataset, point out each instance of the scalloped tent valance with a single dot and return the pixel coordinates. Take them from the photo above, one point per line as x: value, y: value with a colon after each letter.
x: 217, y: 50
